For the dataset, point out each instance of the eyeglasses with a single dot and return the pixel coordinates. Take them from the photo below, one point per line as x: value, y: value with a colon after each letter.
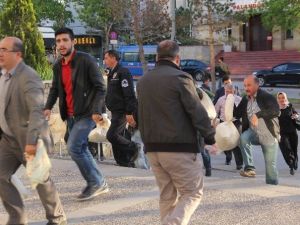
x: 4, y: 50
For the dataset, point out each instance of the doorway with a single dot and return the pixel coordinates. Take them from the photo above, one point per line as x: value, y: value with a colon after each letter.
x: 259, y: 38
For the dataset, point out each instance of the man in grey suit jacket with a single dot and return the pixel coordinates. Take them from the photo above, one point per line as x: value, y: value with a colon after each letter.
x: 22, y: 122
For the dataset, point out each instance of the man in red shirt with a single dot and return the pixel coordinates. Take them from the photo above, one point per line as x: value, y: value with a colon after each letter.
x: 80, y: 88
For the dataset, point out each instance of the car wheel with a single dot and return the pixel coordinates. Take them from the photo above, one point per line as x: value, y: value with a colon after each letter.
x: 261, y: 81
x: 198, y: 76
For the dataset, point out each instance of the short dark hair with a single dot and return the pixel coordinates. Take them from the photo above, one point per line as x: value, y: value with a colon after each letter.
x: 225, y: 78
x: 167, y: 50
x: 205, y: 78
x: 65, y: 30
x: 113, y: 53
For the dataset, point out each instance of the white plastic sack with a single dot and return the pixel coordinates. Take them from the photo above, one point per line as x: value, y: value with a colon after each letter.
x: 15, y: 180
x: 229, y: 106
x: 208, y: 105
x: 98, y: 134
x: 141, y: 161
x: 38, y: 168
x: 264, y: 136
x: 227, y: 136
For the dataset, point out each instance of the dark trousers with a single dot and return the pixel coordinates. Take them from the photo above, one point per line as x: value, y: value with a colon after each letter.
x: 11, y: 158
x: 124, y: 149
x: 206, y: 159
x: 288, y: 145
x: 237, y: 156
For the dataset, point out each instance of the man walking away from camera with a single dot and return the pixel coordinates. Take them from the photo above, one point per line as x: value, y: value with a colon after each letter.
x: 170, y: 115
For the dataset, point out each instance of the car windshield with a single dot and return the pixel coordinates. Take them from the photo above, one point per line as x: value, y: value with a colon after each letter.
x: 183, y: 63
x: 294, y: 66
x: 280, y: 68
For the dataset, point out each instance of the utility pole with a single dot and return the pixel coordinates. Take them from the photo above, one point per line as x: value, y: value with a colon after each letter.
x: 173, y: 19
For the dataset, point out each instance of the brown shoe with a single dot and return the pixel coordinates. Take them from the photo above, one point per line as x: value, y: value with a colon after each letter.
x: 248, y: 173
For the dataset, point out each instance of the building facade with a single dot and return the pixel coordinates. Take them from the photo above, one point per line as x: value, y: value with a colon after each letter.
x: 252, y: 35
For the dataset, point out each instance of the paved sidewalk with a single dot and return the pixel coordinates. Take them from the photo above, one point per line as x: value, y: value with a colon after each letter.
x: 133, y: 200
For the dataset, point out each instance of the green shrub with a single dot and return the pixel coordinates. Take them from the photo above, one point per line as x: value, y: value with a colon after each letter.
x: 45, y: 73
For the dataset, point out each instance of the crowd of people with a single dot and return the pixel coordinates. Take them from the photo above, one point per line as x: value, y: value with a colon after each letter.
x: 175, y: 127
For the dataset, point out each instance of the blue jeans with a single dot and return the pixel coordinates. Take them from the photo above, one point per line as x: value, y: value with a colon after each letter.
x: 248, y: 139
x: 77, y: 145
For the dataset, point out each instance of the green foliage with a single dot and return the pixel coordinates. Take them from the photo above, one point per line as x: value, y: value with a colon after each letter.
x: 184, y: 20
x: 55, y: 10
x: 282, y: 13
x: 18, y: 19
x: 45, y: 73
x: 102, y: 15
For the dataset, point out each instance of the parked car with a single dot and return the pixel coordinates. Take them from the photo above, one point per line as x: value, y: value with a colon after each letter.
x: 196, y: 68
x: 285, y: 73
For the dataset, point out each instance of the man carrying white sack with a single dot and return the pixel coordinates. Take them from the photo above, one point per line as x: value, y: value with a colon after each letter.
x: 170, y: 114
x: 220, y: 109
x: 22, y: 123
x: 259, y: 111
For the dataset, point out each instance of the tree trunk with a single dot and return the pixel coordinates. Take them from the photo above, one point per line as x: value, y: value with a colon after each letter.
x: 138, y: 33
x: 212, y: 50
x: 107, y: 32
x: 173, y: 19
x: 142, y: 57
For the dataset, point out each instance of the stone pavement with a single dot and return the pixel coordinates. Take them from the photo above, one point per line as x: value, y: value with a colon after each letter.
x: 133, y: 198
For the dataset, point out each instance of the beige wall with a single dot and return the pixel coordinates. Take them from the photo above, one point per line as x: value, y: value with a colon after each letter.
x: 198, y: 52
x: 280, y: 43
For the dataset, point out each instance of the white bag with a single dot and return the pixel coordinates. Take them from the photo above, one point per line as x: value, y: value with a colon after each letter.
x: 208, y: 105
x: 15, y: 180
x: 141, y: 161
x: 227, y: 136
x: 98, y: 134
x: 38, y: 168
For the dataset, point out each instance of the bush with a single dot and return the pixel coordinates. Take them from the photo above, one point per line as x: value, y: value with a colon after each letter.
x: 45, y: 73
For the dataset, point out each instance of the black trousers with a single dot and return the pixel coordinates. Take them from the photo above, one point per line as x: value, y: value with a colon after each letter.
x: 237, y: 156
x: 124, y: 149
x: 288, y: 145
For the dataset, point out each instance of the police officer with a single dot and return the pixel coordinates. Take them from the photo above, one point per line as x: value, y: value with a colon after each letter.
x: 122, y: 103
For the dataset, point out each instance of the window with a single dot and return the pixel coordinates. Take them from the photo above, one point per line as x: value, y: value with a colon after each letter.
x: 280, y: 68
x: 244, y: 32
x: 183, y: 62
x: 289, y: 34
x: 130, y: 57
x: 192, y: 63
x: 294, y: 66
x: 134, y: 57
x: 150, y: 58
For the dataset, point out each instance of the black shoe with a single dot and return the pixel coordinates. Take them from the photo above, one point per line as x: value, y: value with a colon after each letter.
x: 91, y: 192
x: 208, y: 172
x: 228, y: 162
x: 292, y: 172
x: 60, y: 223
x: 239, y: 167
